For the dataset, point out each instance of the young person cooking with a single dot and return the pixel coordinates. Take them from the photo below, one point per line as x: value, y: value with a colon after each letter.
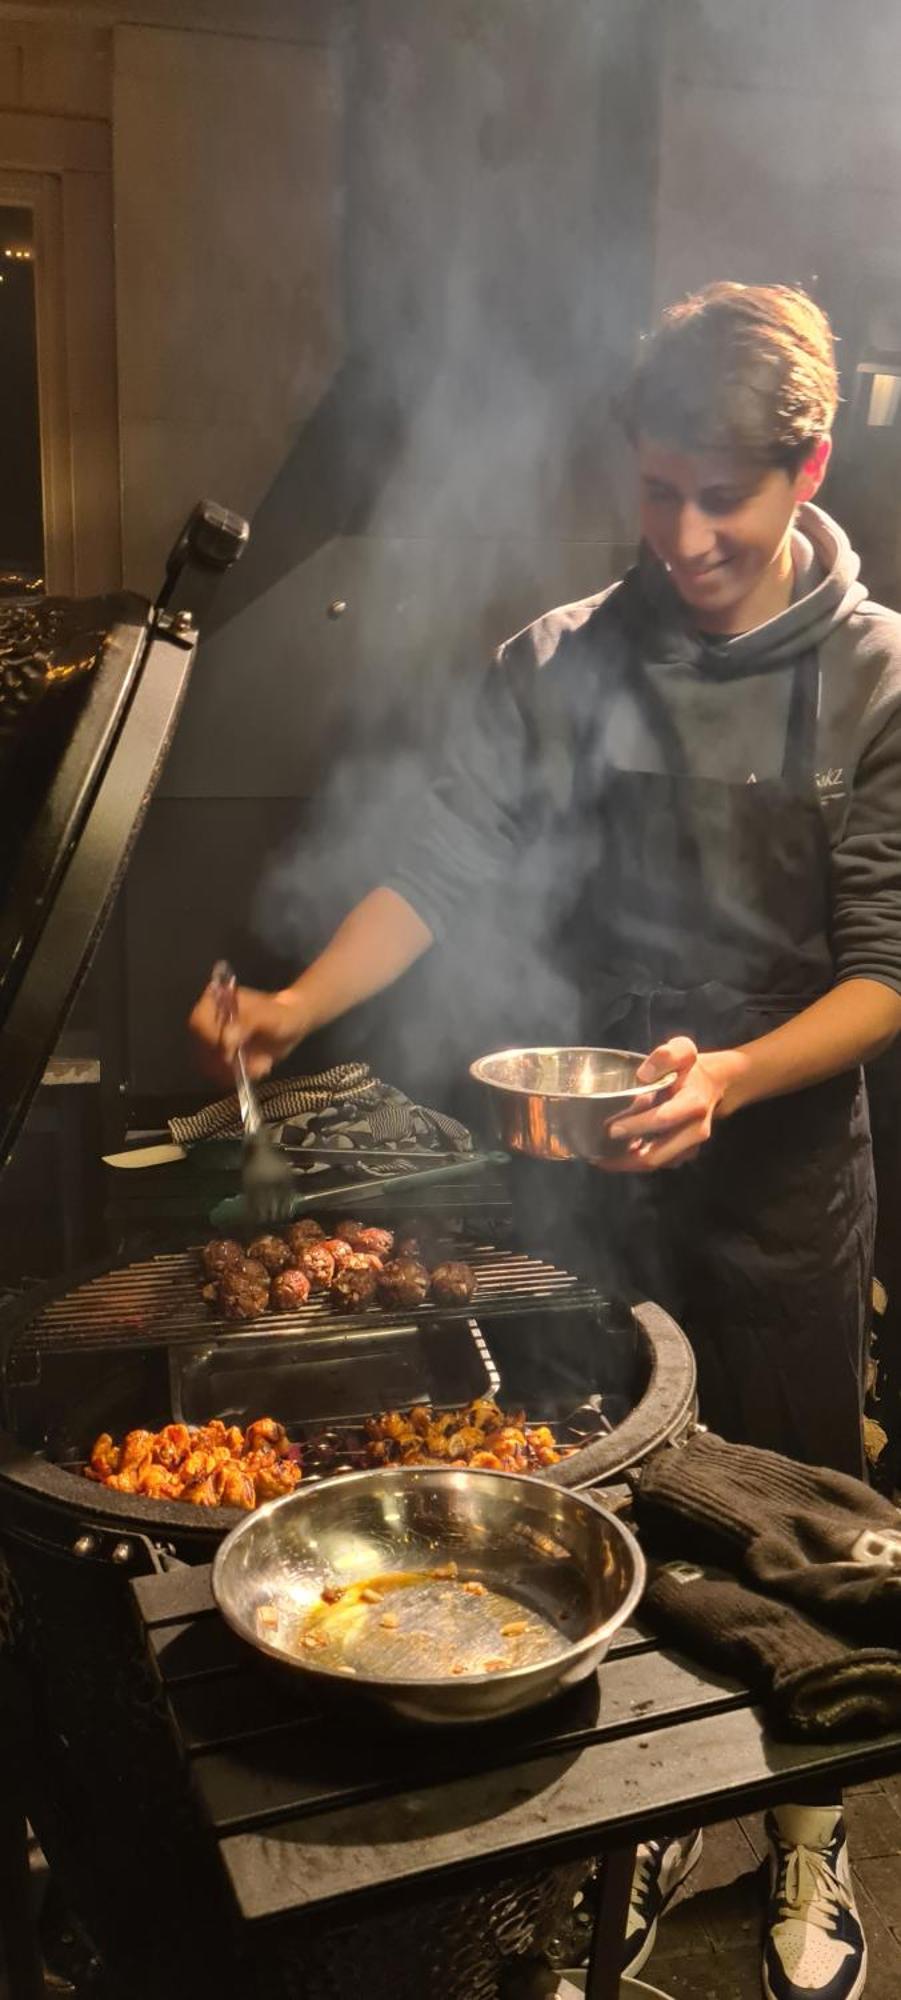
x: 714, y: 745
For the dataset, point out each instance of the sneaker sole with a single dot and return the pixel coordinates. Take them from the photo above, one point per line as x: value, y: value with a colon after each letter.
x: 854, y: 1992
x: 573, y: 1988
x: 641, y: 1957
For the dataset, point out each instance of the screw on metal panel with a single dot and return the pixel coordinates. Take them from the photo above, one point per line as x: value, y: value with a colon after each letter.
x: 337, y: 608
x: 85, y: 1545
x: 121, y: 1553
x: 183, y: 625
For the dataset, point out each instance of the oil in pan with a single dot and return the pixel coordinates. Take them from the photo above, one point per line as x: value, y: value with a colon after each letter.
x: 424, y: 1624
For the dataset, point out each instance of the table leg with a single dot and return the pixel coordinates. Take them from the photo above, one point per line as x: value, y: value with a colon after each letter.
x: 606, y: 1955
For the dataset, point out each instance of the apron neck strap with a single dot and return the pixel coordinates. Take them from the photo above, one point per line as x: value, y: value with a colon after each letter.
x: 799, y: 763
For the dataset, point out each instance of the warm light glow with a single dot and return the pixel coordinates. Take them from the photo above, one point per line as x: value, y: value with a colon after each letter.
x: 586, y: 1078
x: 885, y: 395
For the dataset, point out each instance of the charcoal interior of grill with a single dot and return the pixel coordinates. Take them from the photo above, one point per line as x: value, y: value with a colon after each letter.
x: 334, y: 1379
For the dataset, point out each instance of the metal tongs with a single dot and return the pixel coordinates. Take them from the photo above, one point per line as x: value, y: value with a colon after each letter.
x: 266, y: 1178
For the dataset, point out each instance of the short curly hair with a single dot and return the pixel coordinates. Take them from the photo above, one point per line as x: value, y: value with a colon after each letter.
x: 747, y: 369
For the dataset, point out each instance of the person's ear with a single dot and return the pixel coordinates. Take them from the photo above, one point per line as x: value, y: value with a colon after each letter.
x: 813, y: 471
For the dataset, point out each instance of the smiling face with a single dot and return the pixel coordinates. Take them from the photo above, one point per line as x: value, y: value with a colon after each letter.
x: 723, y: 527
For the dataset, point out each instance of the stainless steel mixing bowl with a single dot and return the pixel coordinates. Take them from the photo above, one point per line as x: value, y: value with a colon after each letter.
x: 556, y: 1104
x: 550, y: 1562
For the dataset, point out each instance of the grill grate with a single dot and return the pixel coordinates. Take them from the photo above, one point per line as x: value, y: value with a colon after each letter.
x: 157, y: 1303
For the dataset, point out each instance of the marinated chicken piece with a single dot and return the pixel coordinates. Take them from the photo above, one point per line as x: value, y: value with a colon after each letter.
x: 227, y: 1485
x: 484, y: 1412
x: 172, y: 1445
x: 204, y: 1494
x: 317, y: 1264
x: 299, y: 1234
x: 243, y: 1294
x: 128, y: 1481
x: 352, y: 1291
x: 452, y: 1284
x: 201, y: 1462
x: 155, y: 1483
x: 273, y: 1477
x: 236, y: 1486
x: 222, y: 1254
x: 271, y: 1252
x: 104, y: 1457
x: 403, y: 1283
x: 213, y: 1465
x: 290, y: 1289
x: 136, y: 1446
x: 338, y: 1249
x: 480, y: 1435
x: 216, y: 1433
x: 362, y: 1260
x: 465, y: 1441
x: 141, y: 1479
x: 266, y: 1431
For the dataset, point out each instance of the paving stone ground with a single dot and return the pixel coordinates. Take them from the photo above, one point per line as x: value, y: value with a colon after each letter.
x: 708, y: 1946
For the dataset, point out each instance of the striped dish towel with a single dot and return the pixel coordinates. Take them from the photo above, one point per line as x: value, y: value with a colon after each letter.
x: 344, y: 1109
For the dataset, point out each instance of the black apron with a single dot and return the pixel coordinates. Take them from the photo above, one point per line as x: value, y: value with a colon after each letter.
x: 761, y: 1248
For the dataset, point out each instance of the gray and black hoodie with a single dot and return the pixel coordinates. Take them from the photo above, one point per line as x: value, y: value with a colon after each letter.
x: 556, y: 704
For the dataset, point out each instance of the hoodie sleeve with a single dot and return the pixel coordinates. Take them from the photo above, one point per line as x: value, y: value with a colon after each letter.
x: 866, y: 863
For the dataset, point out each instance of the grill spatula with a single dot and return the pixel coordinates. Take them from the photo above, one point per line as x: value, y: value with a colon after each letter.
x: 266, y: 1178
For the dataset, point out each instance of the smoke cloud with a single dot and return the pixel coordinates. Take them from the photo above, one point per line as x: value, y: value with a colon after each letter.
x: 500, y: 180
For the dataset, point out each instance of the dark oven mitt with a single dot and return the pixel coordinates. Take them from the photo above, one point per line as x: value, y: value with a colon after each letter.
x: 812, y: 1682
x: 813, y: 1538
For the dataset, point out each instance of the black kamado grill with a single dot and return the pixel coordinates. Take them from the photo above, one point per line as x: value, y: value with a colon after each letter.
x: 133, y: 1344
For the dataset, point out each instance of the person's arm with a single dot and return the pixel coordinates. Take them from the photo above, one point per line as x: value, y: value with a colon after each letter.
x: 374, y: 945
x: 854, y: 1022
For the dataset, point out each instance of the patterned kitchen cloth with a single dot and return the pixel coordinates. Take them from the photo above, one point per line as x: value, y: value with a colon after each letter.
x: 345, y: 1109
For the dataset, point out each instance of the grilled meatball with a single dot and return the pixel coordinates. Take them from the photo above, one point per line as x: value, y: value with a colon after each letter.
x: 271, y: 1252
x: 362, y: 1260
x: 339, y: 1249
x: 403, y: 1283
x: 290, y: 1289
x: 299, y: 1234
x: 243, y: 1294
x: 353, y: 1291
x: 452, y: 1284
x: 349, y: 1231
x: 222, y: 1254
x: 317, y: 1264
x: 375, y: 1242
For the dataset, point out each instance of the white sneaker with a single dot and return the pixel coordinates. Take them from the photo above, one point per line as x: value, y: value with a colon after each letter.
x: 816, y: 1949
x: 661, y: 1866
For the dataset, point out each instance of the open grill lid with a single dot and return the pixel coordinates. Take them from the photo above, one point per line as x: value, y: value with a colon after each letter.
x: 90, y: 692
